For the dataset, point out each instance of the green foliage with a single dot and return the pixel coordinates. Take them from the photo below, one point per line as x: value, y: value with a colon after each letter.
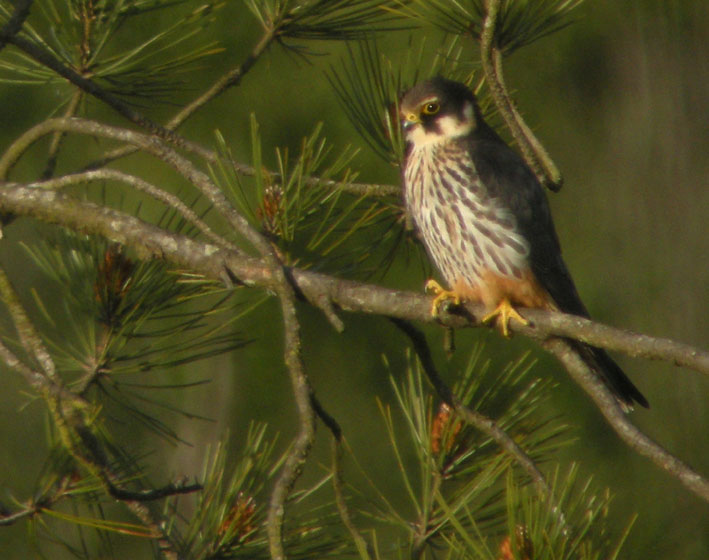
x: 119, y: 328
x: 321, y: 19
x: 465, y: 496
x: 229, y: 514
x: 98, y: 38
x: 519, y: 22
x: 120, y: 319
x: 304, y: 208
x: 369, y: 85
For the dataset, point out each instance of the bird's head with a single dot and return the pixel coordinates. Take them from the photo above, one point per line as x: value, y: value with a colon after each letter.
x: 437, y: 110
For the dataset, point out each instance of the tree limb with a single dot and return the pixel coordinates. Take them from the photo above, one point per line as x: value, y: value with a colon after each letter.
x: 210, y: 260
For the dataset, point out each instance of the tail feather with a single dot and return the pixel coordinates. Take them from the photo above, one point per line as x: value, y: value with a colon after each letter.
x: 612, y: 375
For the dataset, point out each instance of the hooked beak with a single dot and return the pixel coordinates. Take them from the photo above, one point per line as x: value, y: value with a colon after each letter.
x: 409, y: 121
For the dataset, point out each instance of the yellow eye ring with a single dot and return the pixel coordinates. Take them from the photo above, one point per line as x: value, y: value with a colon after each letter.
x: 430, y: 108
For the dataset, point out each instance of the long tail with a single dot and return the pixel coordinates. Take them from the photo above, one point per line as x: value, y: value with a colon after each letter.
x: 611, y: 374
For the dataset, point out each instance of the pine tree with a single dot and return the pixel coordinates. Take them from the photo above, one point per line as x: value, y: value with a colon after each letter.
x: 173, y: 263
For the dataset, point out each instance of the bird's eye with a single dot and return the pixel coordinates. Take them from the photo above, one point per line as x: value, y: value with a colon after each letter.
x: 431, y: 108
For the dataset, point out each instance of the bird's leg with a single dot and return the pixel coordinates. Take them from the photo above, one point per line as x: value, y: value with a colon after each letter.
x: 505, y: 312
x: 441, y: 294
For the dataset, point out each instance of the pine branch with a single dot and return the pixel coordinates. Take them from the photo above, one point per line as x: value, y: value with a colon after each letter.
x: 54, y: 207
x: 229, y: 79
x: 491, y: 56
x: 628, y: 432
x: 472, y: 417
x: 89, y: 86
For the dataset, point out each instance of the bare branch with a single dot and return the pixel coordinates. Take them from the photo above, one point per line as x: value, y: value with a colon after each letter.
x: 627, y: 431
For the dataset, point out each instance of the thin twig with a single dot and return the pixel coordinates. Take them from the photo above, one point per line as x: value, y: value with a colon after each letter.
x: 152, y: 494
x: 32, y: 342
x: 15, y: 22
x: 229, y: 79
x: 336, y: 447
x: 58, y: 137
x: 169, y: 199
x: 363, y: 547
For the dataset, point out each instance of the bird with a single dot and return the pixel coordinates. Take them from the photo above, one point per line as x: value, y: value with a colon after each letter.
x: 485, y: 221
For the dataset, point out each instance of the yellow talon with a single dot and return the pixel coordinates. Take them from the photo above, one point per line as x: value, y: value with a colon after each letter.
x: 441, y: 294
x: 505, y: 312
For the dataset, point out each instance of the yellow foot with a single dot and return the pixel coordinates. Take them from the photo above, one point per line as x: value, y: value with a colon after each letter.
x: 442, y: 295
x: 505, y: 312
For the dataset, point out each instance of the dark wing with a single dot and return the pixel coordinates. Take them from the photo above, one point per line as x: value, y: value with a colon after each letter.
x: 506, y: 176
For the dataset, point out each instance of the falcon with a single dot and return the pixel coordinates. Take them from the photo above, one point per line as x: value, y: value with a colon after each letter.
x: 485, y: 221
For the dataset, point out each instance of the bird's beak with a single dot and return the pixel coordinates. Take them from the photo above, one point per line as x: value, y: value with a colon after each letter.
x: 409, y: 120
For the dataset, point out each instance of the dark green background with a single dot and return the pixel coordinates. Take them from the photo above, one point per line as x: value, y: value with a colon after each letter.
x: 620, y: 99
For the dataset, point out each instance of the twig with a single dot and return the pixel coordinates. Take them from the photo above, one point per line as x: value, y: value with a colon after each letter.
x: 363, y: 547
x: 92, y: 88
x: 628, y: 432
x: 534, y: 153
x: 150, y: 495
x: 15, y: 22
x: 230, y: 79
x: 472, y: 417
x: 55, y: 207
x: 58, y: 137
x: 31, y: 341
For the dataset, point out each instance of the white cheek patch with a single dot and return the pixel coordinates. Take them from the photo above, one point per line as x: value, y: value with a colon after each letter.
x: 453, y: 126
x: 419, y: 137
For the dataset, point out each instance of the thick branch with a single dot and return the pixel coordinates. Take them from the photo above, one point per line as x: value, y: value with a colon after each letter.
x: 55, y: 207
